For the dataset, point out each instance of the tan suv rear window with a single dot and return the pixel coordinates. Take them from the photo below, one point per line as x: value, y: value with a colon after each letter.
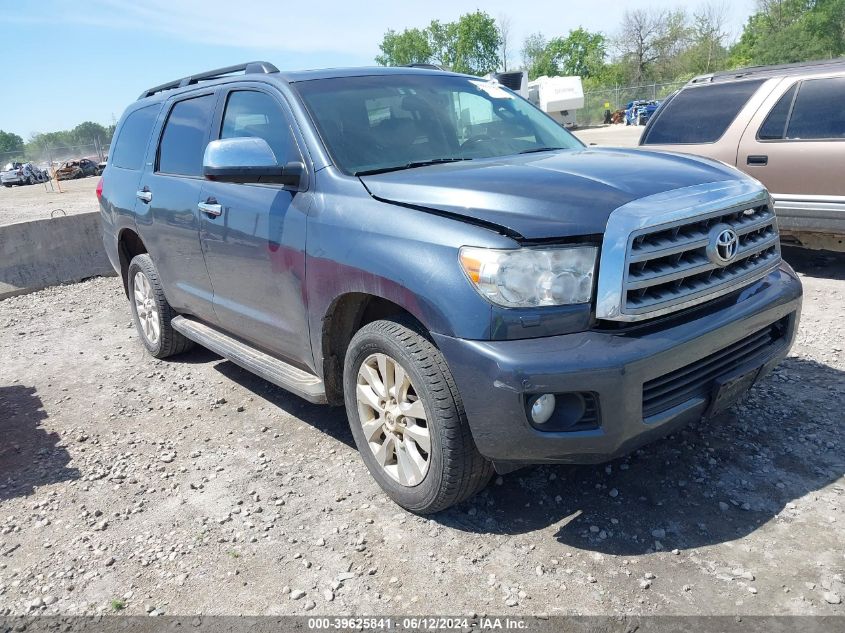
x: 699, y: 114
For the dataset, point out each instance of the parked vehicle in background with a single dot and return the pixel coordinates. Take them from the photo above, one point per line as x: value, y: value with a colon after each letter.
x: 16, y: 173
x: 784, y: 125
x: 77, y: 169
x: 639, y: 112
x: 101, y: 166
x: 435, y: 253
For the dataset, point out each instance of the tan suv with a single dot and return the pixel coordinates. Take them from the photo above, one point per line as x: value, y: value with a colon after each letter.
x: 784, y: 125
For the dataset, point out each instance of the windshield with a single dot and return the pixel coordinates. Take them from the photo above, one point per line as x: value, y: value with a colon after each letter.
x: 384, y: 122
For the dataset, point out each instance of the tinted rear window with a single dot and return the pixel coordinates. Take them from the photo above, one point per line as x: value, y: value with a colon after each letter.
x: 131, y: 145
x: 185, y: 135
x: 700, y: 114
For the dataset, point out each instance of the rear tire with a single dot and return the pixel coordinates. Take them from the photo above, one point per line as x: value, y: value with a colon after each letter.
x: 151, y: 312
x: 425, y: 419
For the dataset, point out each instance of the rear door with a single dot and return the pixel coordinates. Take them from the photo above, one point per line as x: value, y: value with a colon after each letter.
x: 120, y: 181
x: 795, y: 144
x: 168, y: 193
x: 254, y: 241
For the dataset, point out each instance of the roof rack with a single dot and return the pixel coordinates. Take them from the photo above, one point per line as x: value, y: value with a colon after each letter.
x: 424, y: 65
x: 769, y: 71
x: 263, y: 68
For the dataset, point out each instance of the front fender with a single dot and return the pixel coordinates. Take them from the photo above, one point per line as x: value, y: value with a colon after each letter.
x: 356, y: 244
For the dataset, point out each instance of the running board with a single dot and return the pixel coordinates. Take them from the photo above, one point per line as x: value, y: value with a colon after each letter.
x: 272, y: 369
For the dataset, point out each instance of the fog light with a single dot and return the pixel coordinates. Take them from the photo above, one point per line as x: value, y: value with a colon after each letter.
x: 542, y: 408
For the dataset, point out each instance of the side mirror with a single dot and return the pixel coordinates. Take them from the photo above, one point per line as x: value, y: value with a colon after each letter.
x: 249, y: 160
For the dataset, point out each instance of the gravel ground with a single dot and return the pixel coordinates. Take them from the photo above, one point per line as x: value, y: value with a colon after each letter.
x: 613, y: 135
x: 37, y: 202
x: 184, y: 486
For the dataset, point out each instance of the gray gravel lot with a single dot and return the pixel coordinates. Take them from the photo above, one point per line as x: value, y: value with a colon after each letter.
x: 133, y: 485
x: 613, y: 135
x: 37, y: 202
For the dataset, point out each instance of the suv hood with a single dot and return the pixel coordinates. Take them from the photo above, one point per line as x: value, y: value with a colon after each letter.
x: 545, y: 195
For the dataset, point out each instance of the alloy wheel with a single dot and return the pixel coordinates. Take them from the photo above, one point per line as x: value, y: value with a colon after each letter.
x: 147, y: 308
x: 393, y: 419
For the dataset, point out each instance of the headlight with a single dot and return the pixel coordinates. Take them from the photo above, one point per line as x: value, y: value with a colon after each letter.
x: 529, y: 277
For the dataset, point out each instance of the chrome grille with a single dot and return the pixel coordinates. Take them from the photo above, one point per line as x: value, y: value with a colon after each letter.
x: 668, y: 266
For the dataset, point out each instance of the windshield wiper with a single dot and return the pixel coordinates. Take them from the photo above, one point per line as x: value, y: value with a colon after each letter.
x: 540, y: 149
x: 411, y: 165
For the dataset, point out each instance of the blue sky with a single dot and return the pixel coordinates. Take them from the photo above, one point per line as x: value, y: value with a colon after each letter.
x: 76, y: 61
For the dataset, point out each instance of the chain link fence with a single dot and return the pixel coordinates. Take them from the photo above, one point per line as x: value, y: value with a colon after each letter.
x: 46, y: 155
x: 617, y: 97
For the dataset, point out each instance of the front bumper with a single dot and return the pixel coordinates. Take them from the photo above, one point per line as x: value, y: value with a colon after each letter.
x: 495, y: 377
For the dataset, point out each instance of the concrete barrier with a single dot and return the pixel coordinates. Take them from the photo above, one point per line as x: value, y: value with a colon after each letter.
x: 42, y: 253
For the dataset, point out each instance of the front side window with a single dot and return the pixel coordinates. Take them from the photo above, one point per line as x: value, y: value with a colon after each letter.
x: 700, y: 114
x: 385, y: 122
x: 256, y: 114
x: 819, y: 110
x: 185, y: 134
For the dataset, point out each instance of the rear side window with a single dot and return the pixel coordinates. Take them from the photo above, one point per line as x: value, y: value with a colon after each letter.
x: 700, y: 114
x: 774, y: 126
x: 256, y: 114
x: 128, y: 152
x: 185, y: 134
x: 819, y: 110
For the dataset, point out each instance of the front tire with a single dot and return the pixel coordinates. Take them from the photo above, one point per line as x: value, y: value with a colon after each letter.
x: 408, y: 419
x: 151, y: 312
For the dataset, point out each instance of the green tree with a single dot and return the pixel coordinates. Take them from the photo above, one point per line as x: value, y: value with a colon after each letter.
x: 784, y: 31
x: 470, y: 45
x: 535, y: 58
x: 88, y: 131
x: 476, y: 44
x: 580, y: 53
x: 10, y: 143
x: 411, y: 46
x: 651, y: 42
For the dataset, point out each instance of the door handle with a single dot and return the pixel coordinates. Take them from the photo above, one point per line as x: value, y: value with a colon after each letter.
x: 759, y: 159
x: 144, y: 194
x: 211, y: 207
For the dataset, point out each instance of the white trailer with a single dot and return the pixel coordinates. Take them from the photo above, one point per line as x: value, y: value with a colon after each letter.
x: 559, y: 97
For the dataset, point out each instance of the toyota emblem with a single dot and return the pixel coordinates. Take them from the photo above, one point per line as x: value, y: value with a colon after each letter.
x: 723, y: 246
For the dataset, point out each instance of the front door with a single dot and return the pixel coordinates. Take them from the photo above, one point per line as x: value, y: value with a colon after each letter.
x: 254, y: 237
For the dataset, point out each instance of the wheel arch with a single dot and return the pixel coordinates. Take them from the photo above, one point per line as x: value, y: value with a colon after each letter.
x: 129, y: 244
x: 347, y: 314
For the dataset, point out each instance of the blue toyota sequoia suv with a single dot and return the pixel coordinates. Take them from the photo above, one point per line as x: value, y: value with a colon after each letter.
x: 479, y: 289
